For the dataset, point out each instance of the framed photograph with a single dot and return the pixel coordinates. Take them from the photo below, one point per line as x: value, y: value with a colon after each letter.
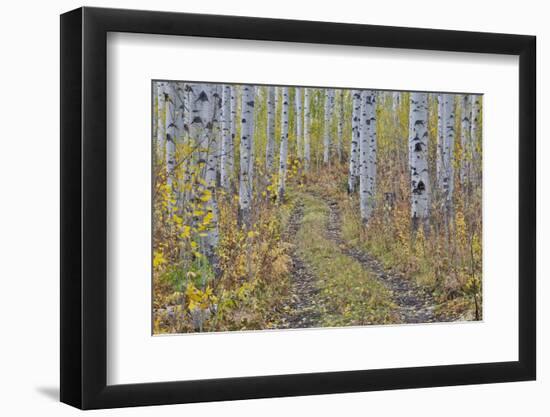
x: 257, y: 208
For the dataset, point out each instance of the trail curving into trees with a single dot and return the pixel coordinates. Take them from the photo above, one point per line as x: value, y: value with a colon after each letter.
x: 414, y: 305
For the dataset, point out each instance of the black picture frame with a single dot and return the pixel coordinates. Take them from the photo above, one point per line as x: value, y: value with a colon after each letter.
x: 84, y: 207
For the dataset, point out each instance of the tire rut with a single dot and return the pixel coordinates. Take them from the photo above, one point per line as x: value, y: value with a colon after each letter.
x: 302, y: 310
x: 415, y: 305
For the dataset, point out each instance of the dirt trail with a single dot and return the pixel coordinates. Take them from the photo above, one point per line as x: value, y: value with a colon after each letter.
x: 414, y: 304
x: 302, y: 310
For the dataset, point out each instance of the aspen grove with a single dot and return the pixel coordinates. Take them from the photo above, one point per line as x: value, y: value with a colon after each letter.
x: 279, y: 207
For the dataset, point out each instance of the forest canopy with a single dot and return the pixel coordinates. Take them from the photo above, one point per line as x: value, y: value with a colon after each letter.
x: 281, y: 207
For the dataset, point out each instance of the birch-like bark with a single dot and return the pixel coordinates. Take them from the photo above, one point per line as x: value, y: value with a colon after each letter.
x: 307, y: 126
x: 179, y: 91
x: 363, y: 145
x: 475, y: 169
x: 202, y: 121
x: 226, y: 137
x: 210, y: 114
x: 284, y: 146
x: 340, y: 126
x: 371, y: 154
x: 247, y: 132
x: 217, y: 93
x: 367, y: 158
x: 231, y: 155
x: 354, y: 143
x: 465, y: 123
x: 179, y: 139
x: 161, y: 114
x: 326, y: 140
x: 299, y: 138
x: 170, y: 141
x: 418, y: 159
x: 270, y: 142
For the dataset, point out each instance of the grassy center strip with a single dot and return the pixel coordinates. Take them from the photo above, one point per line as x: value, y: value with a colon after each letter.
x: 348, y: 294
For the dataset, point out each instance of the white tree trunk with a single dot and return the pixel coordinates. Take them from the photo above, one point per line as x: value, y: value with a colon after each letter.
x: 363, y: 146
x: 372, y: 149
x: 354, y: 143
x: 270, y: 142
x: 418, y: 158
x: 284, y: 146
x: 475, y: 169
x: 217, y: 94
x: 465, y: 122
x: 170, y: 141
x: 277, y: 99
x: 206, y: 107
x: 299, y: 138
x: 226, y: 137
x: 161, y: 114
x: 367, y: 158
x: 307, y: 126
x: 180, y: 113
x: 188, y: 140
x: 211, y: 113
x: 231, y: 155
x: 247, y: 133
x: 340, y: 126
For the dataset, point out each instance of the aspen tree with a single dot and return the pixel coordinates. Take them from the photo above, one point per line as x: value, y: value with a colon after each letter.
x: 418, y: 160
x: 284, y: 146
x: 270, y: 141
x: 354, y: 143
x: 226, y: 137
x: 340, y: 126
x: 247, y: 133
x: 307, y: 127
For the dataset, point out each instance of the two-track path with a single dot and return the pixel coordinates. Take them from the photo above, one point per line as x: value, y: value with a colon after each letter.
x: 414, y: 305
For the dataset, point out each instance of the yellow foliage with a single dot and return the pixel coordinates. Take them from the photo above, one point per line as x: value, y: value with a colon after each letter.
x: 158, y: 259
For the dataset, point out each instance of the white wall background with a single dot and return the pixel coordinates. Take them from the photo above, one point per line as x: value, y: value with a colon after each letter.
x: 29, y: 224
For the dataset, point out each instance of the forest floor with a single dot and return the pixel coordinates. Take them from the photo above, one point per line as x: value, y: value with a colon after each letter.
x: 414, y: 305
x: 302, y: 310
x: 325, y: 265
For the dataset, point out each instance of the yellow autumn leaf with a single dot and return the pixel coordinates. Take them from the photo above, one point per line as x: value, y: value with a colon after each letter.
x: 206, y: 196
x: 158, y: 259
x: 186, y: 232
x: 208, y: 218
